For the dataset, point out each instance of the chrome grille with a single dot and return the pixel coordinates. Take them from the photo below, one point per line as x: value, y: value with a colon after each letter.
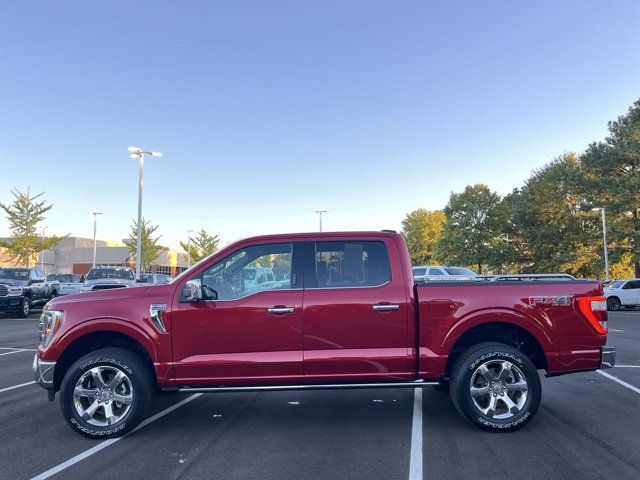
x: 4, y: 290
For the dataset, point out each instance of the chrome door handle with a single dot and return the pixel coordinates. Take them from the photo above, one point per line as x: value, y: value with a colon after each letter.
x: 281, y: 310
x: 385, y: 307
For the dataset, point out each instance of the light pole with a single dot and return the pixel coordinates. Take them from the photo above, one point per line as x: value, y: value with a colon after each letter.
x: 139, y: 154
x: 320, y: 212
x: 42, y: 251
x: 189, y: 232
x: 95, y: 230
x: 604, y: 241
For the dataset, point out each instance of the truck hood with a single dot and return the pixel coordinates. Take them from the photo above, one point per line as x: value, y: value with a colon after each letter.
x: 108, y: 294
x: 13, y: 283
x: 110, y: 281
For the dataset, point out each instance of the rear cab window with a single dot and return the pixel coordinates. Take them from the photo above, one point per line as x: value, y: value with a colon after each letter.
x: 350, y: 264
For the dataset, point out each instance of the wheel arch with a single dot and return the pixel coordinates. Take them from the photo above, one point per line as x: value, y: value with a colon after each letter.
x: 86, y: 342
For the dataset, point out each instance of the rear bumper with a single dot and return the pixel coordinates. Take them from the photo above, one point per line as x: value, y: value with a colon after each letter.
x: 607, y: 357
x: 43, y: 372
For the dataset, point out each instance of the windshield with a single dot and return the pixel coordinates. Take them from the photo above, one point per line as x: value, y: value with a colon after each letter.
x: 460, y: 271
x: 617, y: 284
x: 14, y: 273
x: 119, y: 273
x: 65, y: 278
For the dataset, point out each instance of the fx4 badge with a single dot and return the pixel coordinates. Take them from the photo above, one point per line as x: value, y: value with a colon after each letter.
x: 561, y: 300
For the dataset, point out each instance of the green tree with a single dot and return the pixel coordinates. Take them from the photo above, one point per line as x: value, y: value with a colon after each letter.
x: 201, y: 246
x: 149, y: 249
x: 612, y: 180
x: 550, y: 225
x: 472, y: 234
x: 422, y: 230
x: 24, y: 215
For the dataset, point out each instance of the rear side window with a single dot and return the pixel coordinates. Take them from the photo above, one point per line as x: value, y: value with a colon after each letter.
x: 351, y: 264
x: 459, y: 271
x: 435, y: 271
x: 419, y: 271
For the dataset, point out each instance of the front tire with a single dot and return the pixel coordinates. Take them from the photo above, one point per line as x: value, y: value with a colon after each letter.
x: 496, y: 387
x: 25, y: 308
x: 107, y: 393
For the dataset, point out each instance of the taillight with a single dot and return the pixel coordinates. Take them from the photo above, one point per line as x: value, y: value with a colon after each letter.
x: 594, y: 310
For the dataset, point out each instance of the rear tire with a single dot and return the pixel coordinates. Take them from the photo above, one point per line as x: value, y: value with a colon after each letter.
x: 93, y: 385
x: 496, y: 387
x: 613, y: 304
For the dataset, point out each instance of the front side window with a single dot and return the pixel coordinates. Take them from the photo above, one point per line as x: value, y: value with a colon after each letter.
x: 351, y: 264
x: 435, y: 271
x: 419, y: 271
x: 249, y: 270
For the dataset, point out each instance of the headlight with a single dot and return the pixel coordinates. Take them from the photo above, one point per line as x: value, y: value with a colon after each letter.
x: 50, y: 323
x: 14, y: 291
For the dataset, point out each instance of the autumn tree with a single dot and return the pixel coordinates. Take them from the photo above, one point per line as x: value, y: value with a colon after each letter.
x: 422, y: 229
x: 25, y: 213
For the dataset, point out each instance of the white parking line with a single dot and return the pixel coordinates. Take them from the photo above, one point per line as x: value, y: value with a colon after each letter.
x: 16, y: 386
x: 627, y: 366
x: 617, y: 380
x: 104, y: 444
x: 415, y: 464
x: 13, y: 351
x: 20, y: 349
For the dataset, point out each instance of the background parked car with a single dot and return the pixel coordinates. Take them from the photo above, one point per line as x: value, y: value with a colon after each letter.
x: 154, y: 279
x: 22, y: 288
x: 69, y: 283
x: 623, y: 293
x: 442, y: 273
x: 104, y: 278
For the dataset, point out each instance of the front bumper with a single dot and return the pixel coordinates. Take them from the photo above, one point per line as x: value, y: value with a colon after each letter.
x: 607, y: 357
x: 10, y: 304
x: 43, y: 372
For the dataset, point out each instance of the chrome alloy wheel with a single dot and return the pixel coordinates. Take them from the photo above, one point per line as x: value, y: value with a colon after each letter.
x: 103, y: 396
x: 498, y: 389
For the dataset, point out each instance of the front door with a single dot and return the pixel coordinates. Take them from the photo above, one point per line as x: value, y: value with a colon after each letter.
x: 248, y: 327
x: 356, y: 312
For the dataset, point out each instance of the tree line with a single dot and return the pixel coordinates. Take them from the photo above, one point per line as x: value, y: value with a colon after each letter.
x: 552, y: 223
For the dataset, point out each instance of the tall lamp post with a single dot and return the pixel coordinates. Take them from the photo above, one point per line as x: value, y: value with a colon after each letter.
x: 139, y: 154
x: 42, y: 252
x: 95, y: 230
x: 604, y: 241
x: 189, y: 232
x: 320, y: 212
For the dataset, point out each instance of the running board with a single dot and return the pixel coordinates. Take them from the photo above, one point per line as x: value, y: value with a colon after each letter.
x: 416, y: 384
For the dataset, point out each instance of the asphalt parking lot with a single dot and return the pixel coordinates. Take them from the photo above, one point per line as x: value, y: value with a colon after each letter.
x: 588, y: 427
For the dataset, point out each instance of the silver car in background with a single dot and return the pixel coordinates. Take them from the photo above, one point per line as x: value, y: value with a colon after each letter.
x: 70, y: 283
x: 105, y: 278
x: 426, y: 273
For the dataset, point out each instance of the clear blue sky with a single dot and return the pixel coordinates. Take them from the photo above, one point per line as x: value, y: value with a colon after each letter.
x: 268, y: 110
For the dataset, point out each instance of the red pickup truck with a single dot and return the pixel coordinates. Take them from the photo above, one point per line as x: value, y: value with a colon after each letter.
x: 317, y: 311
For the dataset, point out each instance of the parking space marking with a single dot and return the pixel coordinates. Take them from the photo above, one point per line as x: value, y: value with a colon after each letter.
x: 20, y: 349
x: 104, y: 444
x: 415, y: 464
x: 627, y: 366
x: 617, y: 380
x: 16, y: 386
x: 13, y: 351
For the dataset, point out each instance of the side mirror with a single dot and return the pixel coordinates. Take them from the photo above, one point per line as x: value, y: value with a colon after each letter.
x: 192, y: 290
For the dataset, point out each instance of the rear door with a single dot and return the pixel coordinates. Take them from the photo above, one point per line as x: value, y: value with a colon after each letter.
x: 630, y: 293
x: 356, y: 311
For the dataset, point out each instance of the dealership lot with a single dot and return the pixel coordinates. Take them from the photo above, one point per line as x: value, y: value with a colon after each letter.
x: 588, y: 427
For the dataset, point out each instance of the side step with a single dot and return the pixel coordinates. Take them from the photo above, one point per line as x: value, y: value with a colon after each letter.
x: 416, y: 384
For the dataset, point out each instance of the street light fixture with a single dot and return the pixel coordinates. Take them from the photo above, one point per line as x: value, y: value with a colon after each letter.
x: 138, y: 153
x: 95, y: 229
x: 320, y: 212
x: 604, y: 240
